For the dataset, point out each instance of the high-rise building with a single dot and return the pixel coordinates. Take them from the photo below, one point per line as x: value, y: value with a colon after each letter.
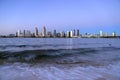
x: 74, y: 33
x: 44, y: 32
x: 113, y: 34
x: 62, y: 34
x: 49, y: 34
x: 68, y: 33
x: 28, y: 33
x: 36, y: 32
x: 101, y: 34
x: 24, y: 32
x: 71, y: 33
x: 78, y: 32
x: 58, y: 35
x: 19, y: 33
x: 54, y: 33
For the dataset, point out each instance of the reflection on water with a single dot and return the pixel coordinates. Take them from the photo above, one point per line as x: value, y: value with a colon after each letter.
x: 69, y: 43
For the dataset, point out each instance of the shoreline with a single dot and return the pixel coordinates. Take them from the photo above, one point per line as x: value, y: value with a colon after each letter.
x: 59, y: 37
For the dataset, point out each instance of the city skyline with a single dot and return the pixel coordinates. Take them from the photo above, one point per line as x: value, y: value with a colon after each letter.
x: 88, y: 16
x: 44, y: 33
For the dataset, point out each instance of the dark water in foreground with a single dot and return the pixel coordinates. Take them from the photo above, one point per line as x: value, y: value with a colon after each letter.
x: 59, y: 59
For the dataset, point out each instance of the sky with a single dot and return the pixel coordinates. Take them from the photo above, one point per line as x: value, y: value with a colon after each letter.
x: 89, y: 16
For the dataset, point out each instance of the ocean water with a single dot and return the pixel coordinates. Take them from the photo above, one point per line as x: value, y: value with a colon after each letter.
x: 59, y: 59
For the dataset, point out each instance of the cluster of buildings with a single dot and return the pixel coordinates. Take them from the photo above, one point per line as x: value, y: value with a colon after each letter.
x: 44, y: 33
x: 27, y: 33
x: 62, y: 34
x: 54, y: 34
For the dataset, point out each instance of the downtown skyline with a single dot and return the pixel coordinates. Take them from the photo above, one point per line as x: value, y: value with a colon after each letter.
x: 88, y: 16
x: 76, y: 33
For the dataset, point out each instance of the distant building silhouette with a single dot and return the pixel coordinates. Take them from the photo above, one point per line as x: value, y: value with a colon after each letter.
x: 74, y: 34
x: 44, y: 32
x: 113, y: 34
x: 24, y: 32
x: 101, y: 34
x: 19, y: 33
x: 68, y: 33
x: 49, y: 34
x: 54, y: 33
x: 78, y: 32
x: 27, y: 33
x: 36, y: 32
x: 71, y: 33
x: 62, y: 34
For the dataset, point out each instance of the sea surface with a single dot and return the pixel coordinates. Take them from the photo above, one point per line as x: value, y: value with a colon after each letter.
x: 59, y: 59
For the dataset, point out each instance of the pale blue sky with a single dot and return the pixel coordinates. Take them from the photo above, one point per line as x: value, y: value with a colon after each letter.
x: 86, y: 15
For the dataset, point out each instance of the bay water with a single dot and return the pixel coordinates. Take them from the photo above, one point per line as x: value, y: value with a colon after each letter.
x: 59, y: 59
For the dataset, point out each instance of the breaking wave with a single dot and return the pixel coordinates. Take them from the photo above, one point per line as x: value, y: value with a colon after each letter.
x: 64, y: 56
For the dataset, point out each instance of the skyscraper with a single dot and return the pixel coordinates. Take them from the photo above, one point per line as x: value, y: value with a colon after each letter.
x: 36, y: 32
x: 68, y: 33
x: 54, y: 33
x: 78, y: 32
x: 74, y: 33
x: 101, y: 33
x: 71, y: 33
x: 19, y: 33
x: 24, y: 32
x: 28, y: 33
x: 44, y: 32
x: 62, y: 34
x: 113, y: 34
